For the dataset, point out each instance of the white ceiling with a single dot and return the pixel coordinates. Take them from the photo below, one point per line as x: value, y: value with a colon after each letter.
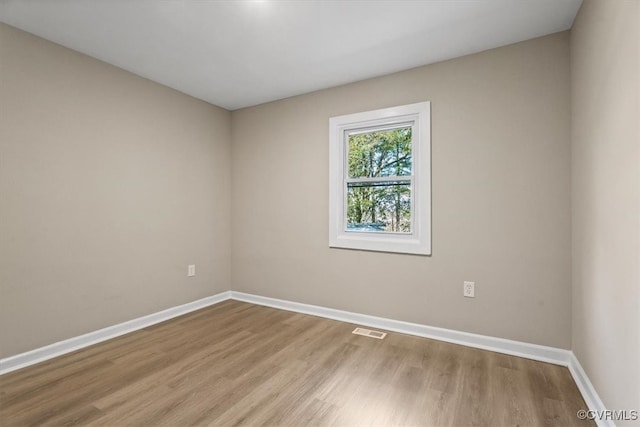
x: 241, y: 53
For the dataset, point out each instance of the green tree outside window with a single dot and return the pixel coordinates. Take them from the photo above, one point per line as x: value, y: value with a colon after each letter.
x: 379, y: 181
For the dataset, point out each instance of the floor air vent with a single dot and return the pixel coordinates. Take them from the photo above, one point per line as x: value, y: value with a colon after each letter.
x: 369, y: 333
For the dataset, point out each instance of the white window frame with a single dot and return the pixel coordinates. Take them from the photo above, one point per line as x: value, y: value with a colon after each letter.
x: 418, y: 241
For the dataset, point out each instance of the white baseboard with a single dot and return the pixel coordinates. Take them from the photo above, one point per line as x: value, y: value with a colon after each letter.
x: 588, y: 391
x: 515, y: 348
x: 72, y: 344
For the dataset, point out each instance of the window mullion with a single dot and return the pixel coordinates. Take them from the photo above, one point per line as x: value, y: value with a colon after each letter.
x: 403, y: 178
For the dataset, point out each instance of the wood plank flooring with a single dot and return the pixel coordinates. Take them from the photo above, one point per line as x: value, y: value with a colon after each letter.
x: 241, y: 364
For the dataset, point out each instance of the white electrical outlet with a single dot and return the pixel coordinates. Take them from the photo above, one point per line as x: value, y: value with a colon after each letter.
x: 191, y: 270
x: 469, y: 289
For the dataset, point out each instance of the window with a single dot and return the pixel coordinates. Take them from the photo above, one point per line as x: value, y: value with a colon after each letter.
x: 380, y: 180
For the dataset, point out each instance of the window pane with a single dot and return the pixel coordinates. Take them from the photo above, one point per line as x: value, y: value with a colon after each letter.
x: 380, y: 153
x: 379, y: 206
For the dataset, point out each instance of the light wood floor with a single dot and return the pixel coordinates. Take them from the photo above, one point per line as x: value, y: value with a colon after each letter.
x: 241, y: 364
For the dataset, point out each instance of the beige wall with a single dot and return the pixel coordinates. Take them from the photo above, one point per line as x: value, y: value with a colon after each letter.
x: 605, y: 74
x: 501, y: 198
x: 110, y: 185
